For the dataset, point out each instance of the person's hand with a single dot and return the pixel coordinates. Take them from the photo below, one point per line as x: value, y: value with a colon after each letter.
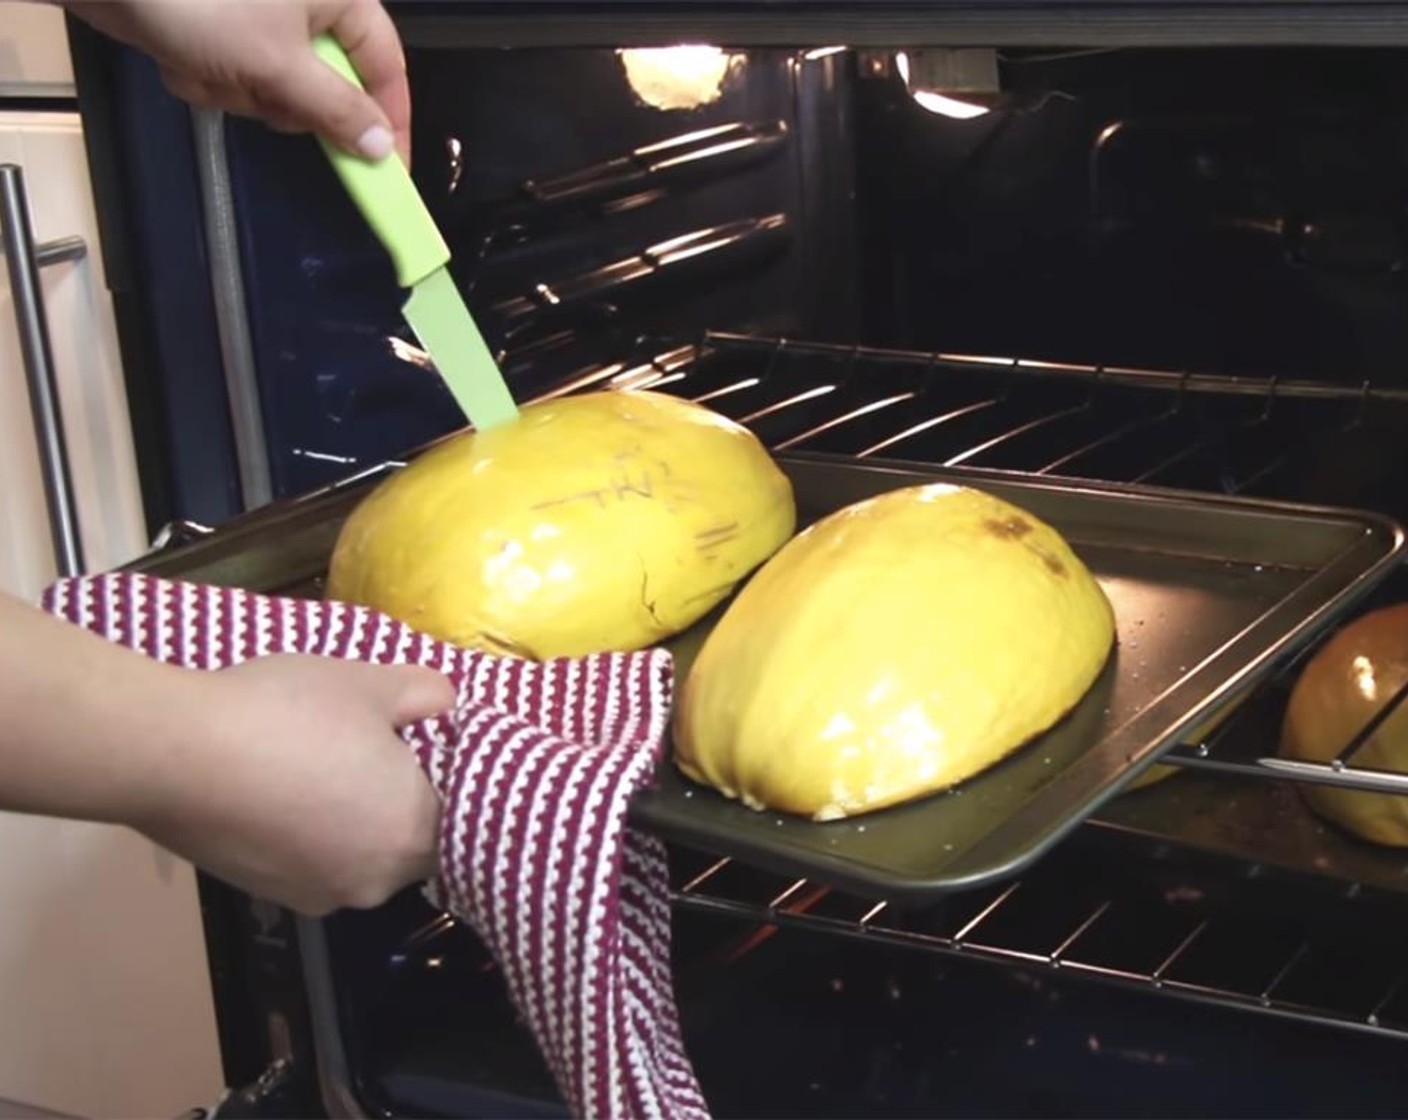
x: 254, y: 58
x: 299, y: 790
x: 286, y: 776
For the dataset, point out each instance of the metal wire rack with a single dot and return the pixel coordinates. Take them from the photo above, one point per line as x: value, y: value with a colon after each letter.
x: 1234, y: 435
x: 1166, y: 930
x: 1248, y: 948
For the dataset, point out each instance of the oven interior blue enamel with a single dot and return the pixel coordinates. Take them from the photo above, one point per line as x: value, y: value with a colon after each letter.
x: 578, y: 217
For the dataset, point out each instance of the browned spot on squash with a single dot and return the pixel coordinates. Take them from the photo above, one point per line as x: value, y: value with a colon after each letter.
x: 1008, y: 528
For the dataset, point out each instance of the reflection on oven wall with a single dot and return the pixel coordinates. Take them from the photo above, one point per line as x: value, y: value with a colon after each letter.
x: 1244, y: 215
x: 588, y: 196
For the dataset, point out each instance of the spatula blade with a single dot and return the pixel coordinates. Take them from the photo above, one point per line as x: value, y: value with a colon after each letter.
x: 437, y: 313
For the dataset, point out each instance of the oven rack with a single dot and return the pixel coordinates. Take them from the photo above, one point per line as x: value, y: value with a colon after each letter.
x: 817, y: 396
x: 1179, y: 936
x: 1209, y: 948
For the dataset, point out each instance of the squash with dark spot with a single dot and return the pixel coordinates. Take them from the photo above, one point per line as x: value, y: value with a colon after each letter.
x: 602, y: 521
x: 892, y: 650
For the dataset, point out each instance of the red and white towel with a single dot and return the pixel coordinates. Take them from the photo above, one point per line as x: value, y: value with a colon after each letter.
x: 535, y: 768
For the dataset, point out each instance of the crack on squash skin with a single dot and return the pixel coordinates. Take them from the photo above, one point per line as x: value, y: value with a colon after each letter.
x: 646, y: 601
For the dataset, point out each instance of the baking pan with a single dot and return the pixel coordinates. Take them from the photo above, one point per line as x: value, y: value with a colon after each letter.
x: 1208, y: 592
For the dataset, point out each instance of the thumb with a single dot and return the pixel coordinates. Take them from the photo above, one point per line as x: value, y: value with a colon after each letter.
x: 313, y: 96
x: 403, y: 694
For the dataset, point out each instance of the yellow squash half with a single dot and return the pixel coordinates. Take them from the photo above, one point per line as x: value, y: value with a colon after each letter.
x: 891, y: 650
x: 604, y: 521
x: 1344, y: 686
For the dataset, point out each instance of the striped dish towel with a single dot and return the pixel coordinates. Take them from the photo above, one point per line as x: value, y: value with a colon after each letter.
x: 535, y: 768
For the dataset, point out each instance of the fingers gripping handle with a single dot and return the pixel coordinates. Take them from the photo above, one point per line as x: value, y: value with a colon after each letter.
x: 385, y: 193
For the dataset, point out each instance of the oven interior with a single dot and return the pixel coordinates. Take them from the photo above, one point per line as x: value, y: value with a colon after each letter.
x: 1181, y: 268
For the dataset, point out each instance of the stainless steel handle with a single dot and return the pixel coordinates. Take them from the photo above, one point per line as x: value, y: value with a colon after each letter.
x: 23, y: 260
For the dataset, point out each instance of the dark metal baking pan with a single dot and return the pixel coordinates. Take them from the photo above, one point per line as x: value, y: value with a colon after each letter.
x: 1209, y: 593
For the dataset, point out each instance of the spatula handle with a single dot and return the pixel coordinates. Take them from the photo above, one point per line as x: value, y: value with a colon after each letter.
x: 385, y: 193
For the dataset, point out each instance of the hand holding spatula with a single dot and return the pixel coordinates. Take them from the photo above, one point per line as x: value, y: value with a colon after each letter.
x: 387, y: 197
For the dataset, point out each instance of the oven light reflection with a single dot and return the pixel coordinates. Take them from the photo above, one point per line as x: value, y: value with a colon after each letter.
x: 810, y: 394
x: 324, y: 456
x: 410, y: 353
x: 664, y: 380
x: 946, y: 106
x: 1364, y: 678
x: 931, y: 99
x: 637, y: 377
x: 454, y: 149
x: 737, y: 386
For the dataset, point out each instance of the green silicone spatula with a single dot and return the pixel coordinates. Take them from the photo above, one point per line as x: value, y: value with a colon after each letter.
x: 387, y: 197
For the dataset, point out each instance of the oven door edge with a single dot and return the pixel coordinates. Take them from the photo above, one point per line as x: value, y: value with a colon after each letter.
x: 883, y: 23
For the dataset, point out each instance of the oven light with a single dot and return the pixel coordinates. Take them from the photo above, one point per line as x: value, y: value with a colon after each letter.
x: 681, y: 77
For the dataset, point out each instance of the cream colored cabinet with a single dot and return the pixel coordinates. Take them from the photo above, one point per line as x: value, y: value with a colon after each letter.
x: 34, y: 59
x: 105, y: 1005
